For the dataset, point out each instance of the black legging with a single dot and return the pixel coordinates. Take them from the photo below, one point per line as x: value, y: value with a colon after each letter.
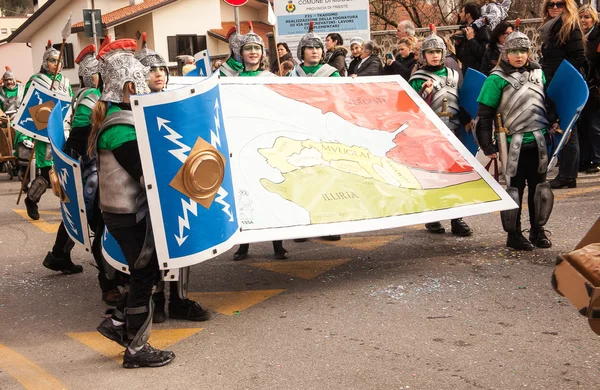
x: 527, y: 173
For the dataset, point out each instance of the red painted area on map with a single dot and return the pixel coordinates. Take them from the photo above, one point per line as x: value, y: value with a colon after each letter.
x: 384, y: 107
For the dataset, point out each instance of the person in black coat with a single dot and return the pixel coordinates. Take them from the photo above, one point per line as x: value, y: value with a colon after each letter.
x: 471, y: 40
x: 562, y: 39
x: 355, y: 50
x: 335, y: 54
x: 405, y: 60
x: 492, y: 52
x: 589, y: 121
x: 370, y: 64
x: 283, y: 51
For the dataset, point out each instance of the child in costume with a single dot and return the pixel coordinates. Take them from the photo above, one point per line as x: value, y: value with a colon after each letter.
x: 514, y: 92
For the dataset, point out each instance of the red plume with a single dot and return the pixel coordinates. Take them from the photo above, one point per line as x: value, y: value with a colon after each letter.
x: 49, y: 44
x: 7, y: 68
x: 144, y: 36
x: 250, y: 25
x: 105, y: 42
x: 231, y: 31
x: 432, y: 28
x: 311, y: 26
x: 517, y: 23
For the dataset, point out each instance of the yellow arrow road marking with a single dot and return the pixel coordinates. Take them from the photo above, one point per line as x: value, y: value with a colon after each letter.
x: 159, y: 338
x: 27, y: 373
x: 46, y: 227
x: 232, y: 302
x: 363, y: 243
x: 302, y: 269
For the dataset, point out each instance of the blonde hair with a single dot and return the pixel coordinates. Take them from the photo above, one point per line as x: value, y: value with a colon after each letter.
x: 410, y: 43
x: 449, y: 45
x: 98, y: 115
x: 590, y: 10
x: 570, y: 19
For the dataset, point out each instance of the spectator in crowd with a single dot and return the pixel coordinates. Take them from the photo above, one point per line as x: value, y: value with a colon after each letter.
x: 451, y: 60
x: 471, y: 40
x: 589, y: 122
x: 335, y: 54
x: 492, y: 53
x: 405, y: 60
x: 283, y: 51
x: 406, y: 29
x: 286, y: 68
x: 370, y: 64
x: 355, y: 50
x: 561, y: 39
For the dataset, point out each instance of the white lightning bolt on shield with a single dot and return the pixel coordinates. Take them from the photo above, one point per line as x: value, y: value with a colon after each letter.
x: 68, y: 217
x: 36, y: 93
x: 184, y: 223
x: 215, y: 141
x: 173, y: 136
x: 63, y: 178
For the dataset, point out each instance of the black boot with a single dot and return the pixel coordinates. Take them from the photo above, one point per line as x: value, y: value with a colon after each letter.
x: 460, y: 228
x: 518, y: 241
x: 241, y: 253
x: 435, y: 227
x: 148, y: 356
x: 537, y: 236
x: 335, y: 237
x: 159, y: 314
x: 279, y: 251
x: 62, y: 264
x: 32, y: 209
x: 560, y: 183
x: 186, y: 309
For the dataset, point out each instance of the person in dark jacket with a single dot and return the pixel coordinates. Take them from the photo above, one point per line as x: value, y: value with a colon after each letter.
x: 370, y: 64
x: 561, y: 39
x: 283, y: 51
x: 405, y: 60
x: 492, y: 53
x: 336, y: 53
x: 355, y: 50
x: 589, y: 122
x: 471, y: 40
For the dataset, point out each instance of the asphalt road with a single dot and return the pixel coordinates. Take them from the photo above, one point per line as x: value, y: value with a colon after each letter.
x: 393, y: 309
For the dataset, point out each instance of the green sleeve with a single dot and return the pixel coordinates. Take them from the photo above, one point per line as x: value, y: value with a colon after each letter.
x: 27, y: 86
x: 81, y: 118
x: 417, y: 84
x: 40, y: 155
x: 335, y: 74
x: 70, y: 90
x: 491, y: 92
x: 116, y: 136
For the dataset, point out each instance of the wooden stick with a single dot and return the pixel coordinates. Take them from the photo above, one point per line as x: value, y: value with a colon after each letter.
x: 276, y: 52
x: 62, y: 47
x: 27, y: 171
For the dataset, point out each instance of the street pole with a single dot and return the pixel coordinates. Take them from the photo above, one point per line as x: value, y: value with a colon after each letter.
x: 236, y: 18
x: 94, y: 33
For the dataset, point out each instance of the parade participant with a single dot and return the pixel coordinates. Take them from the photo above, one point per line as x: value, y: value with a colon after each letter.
x: 233, y: 65
x: 311, y: 52
x: 11, y: 93
x: 123, y: 200
x: 180, y: 307
x: 253, y: 53
x: 335, y: 53
x: 43, y: 151
x: 438, y: 85
x: 515, y: 91
x: 355, y: 50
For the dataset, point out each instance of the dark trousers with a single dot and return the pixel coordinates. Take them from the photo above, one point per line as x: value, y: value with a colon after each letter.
x: 141, y: 281
x: 277, y: 247
x: 589, y: 131
x: 568, y: 165
x: 527, y: 174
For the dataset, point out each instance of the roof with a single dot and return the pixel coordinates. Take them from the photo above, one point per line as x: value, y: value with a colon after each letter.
x: 260, y: 28
x: 124, y: 14
x: 30, y: 20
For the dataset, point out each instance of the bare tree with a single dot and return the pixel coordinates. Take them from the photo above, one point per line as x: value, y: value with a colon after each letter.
x: 387, y: 13
x: 16, y: 7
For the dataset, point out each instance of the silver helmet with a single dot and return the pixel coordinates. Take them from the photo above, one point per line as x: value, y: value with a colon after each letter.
x: 309, y: 40
x: 88, y: 65
x: 118, y: 66
x: 432, y: 42
x: 252, y: 37
x: 515, y: 40
x: 235, y: 40
x: 149, y: 57
x: 49, y: 54
x: 8, y: 75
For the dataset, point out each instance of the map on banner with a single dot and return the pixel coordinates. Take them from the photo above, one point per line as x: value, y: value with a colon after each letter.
x: 32, y: 116
x: 298, y: 158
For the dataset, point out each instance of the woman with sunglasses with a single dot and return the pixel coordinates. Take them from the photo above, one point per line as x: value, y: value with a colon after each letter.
x: 562, y: 39
x: 492, y: 52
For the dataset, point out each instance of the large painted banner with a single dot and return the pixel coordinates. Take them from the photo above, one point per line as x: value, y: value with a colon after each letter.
x: 259, y: 159
x: 349, y: 18
x: 32, y: 116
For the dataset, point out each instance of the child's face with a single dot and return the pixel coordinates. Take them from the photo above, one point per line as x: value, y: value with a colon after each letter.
x: 517, y: 57
x: 433, y: 57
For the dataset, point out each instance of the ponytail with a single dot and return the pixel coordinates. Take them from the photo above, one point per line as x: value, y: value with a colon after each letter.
x: 98, y: 115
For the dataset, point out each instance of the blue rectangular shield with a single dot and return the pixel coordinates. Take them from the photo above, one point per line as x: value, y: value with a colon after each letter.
x: 33, y: 114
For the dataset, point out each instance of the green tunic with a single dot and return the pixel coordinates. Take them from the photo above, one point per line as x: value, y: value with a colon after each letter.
x: 233, y: 64
x: 9, y: 94
x: 117, y: 135
x: 249, y: 73
x: 417, y: 84
x: 491, y: 95
x: 313, y: 69
x: 59, y: 77
x: 81, y: 118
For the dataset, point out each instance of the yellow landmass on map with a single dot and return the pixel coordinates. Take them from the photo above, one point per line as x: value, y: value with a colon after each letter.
x: 342, y: 196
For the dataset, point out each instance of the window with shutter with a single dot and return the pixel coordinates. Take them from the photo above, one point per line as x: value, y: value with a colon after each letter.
x: 172, y: 46
x: 68, y: 59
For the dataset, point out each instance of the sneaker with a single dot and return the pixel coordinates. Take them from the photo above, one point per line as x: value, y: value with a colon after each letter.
x: 159, y: 315
x: 558, y: 183
x: 32, y: 209
x: 538, y: 237
x: 519, y: 242
x: 186, y: 309
x: 62, y: 264
x: 148, y: 356
x: 116, y: 333
x: 460, y: 228
x: 594, y: 168
x: 237, y: 256
x: 435, y: 227
x: 111, y: 297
